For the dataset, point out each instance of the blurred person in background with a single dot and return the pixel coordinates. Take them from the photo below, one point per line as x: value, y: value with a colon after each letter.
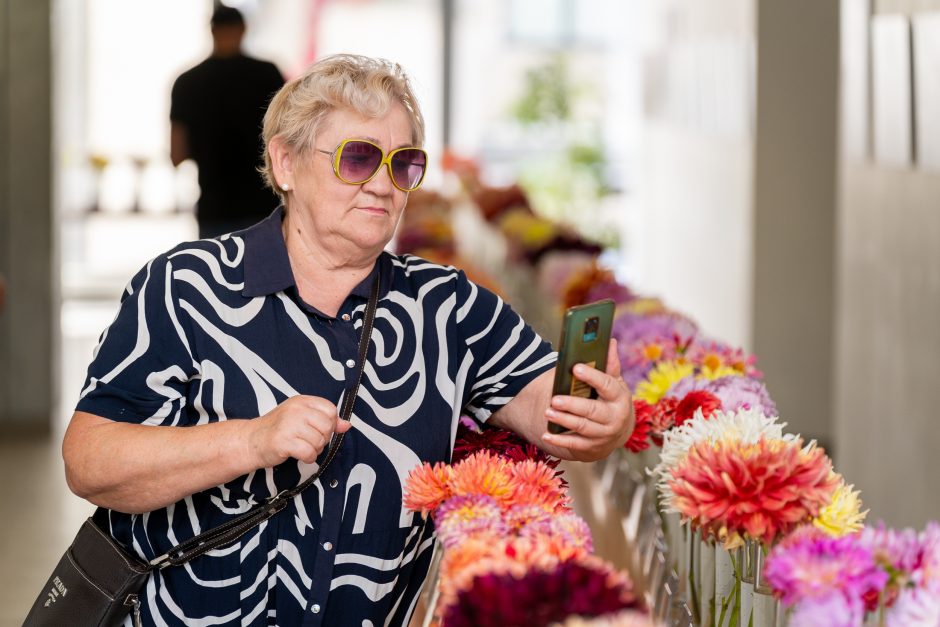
x: 216, y: 110
x: 217, y: 385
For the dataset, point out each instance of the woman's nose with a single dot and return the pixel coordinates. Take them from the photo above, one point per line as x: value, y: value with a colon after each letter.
x: 381, y: 183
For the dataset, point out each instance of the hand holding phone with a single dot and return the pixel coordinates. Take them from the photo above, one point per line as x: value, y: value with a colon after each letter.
x: 585, y: 338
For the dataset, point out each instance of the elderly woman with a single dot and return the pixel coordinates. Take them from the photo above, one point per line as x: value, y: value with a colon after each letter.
x: 217, y: 385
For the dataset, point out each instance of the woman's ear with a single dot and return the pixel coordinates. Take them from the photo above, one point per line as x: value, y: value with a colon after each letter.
x: 281, y: 162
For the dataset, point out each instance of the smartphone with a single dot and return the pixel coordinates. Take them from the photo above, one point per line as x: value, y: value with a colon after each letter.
x: 585, y: 338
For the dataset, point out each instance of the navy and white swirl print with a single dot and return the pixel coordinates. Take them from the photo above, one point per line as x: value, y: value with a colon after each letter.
x: 215, y: 330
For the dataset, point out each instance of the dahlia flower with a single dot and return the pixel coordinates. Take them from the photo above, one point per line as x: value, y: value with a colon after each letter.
x: 843, y: 515
x: 635, y: 328
x: 915, y: 607
x: 427, y: 487
x: 911, y: 559
x: 540, y: 597
x: 535, y: 483
x: 811, y: 566
x: 661, y: 378
x: 502, y: 442
x: 468, y: 515
x: 483, y: 473
x: 567, y: 528
x: 637, y: 359
x: 734, y: 392
x: 715, y: 358
x: 512, y: 556
x: 832, y: 611
x: 899, y: 551
x: 639, y: 438
x: 695, y: 401
x: 662, y: 418
x: 518, y: 516
x: 748, y: 426
x: 732, y: 488
x: 929, y: 574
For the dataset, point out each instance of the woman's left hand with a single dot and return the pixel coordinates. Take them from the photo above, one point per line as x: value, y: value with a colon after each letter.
x: 597, y: 426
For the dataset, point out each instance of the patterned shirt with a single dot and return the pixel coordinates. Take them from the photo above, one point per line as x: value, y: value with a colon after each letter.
x: 216, y: 329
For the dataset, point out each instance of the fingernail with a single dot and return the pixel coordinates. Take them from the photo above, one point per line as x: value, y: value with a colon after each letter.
x: 550, y: 413
x: 547, y: 437
x: 579, y: 369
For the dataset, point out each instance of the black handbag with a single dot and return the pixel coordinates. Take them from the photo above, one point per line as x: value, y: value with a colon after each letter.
x: 97, y: 581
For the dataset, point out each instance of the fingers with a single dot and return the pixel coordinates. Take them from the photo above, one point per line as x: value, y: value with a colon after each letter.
x: 300, y: 427
x: 578, y: 424
x: 613, y: 360
x: 608, y: 387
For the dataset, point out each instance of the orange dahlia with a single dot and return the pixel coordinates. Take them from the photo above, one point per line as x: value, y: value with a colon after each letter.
x: 484, y: 473
x: 427, y: 487
x: 730, y: 489
x: 535, y: 483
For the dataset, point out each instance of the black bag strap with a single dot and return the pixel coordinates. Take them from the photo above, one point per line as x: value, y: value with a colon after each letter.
x: 232, y: 530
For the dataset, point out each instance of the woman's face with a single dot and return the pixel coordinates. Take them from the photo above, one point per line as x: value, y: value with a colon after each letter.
x: 340, y: 216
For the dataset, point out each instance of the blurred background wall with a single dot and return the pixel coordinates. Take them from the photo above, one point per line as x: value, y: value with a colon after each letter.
x: 737, y: 139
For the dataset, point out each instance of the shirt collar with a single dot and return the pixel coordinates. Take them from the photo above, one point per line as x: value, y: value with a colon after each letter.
x: 267, y: 266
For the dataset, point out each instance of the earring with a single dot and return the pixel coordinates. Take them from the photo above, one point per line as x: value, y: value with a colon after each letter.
x: 285, y: 187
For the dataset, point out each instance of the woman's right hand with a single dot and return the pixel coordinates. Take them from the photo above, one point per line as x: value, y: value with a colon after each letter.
x: 300, y: 427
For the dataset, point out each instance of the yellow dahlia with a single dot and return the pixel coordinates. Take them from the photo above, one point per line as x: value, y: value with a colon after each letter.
x: 661, y: 378
x: 844, y: 514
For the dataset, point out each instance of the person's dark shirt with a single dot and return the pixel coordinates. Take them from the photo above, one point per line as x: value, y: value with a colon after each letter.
x: 221, y: 103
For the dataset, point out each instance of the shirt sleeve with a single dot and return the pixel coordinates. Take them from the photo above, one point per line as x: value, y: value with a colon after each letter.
x: 143, y: 362
x: 180, y: 101
x: 507, y: 353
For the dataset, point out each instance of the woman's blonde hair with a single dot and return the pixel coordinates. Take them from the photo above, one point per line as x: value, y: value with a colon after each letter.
x: 344, y: 81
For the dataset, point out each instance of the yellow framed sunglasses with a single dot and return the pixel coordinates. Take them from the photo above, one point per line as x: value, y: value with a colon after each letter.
x: 357, y: 161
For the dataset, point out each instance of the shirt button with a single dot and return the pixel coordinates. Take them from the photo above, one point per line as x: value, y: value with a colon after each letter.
x: 345, y: 317
x: 315, y: 609
x: 327, y: 546
x: 350, y: 363
x: 333, y: 483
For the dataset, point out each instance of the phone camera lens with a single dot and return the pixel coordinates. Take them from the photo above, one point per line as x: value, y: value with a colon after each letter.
x: 591, y: 325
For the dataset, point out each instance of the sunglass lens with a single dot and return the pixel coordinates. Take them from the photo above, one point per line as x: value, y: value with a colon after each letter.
x: 408, y: 167
x: 358, y: 161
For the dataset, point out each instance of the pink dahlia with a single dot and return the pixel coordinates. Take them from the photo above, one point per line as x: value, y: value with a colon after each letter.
x: 461, y: 517
x: 832, y: 611
x: 568, y: 528
x: 730, y: 489
x: 811, y: 566
x: 518, y: 516
x: 734, y: 392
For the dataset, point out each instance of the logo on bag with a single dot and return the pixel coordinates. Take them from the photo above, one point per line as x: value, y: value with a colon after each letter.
x: 58, y: 589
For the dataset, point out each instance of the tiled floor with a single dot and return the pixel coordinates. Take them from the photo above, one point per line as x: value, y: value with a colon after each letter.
x: 38, y: 519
